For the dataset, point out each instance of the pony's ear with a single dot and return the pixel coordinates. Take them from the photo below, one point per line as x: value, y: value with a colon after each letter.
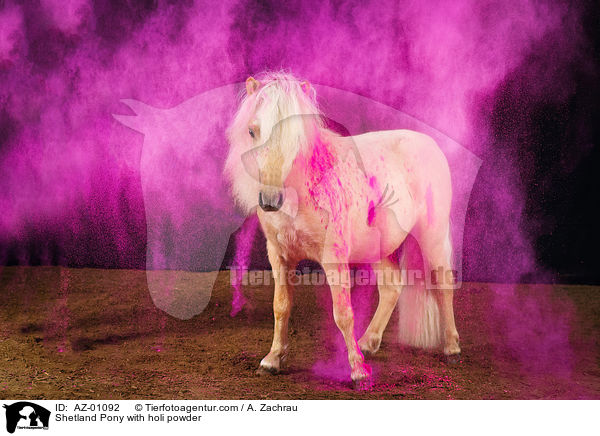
x: 251, y: 85
x: 305, y: 87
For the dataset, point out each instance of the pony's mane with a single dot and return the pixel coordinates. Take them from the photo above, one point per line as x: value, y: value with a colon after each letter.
x: 283, y: 98
x: 289, y: 114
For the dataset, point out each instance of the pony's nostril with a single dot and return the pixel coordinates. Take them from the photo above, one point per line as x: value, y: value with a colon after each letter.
x: 270, y: 202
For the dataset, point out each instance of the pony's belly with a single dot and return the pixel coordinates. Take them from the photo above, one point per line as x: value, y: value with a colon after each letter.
x: 378, y: 237
x: 367, y: 246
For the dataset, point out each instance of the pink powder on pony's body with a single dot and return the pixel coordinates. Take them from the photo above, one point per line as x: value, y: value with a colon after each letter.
x: 327, y: 191
x: 329, y: 178
x: 371, y: 215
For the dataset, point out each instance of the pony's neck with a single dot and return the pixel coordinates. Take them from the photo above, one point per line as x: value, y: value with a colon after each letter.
x: 318, y: 159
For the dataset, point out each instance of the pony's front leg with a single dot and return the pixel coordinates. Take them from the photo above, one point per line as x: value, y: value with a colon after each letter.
x: 282, y: 306
x: 338, y: 278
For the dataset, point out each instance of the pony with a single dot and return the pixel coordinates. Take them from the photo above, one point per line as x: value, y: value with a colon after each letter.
x: 341, y: 200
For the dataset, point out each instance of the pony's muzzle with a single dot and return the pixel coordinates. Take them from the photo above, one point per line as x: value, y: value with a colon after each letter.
x: 270, y: 200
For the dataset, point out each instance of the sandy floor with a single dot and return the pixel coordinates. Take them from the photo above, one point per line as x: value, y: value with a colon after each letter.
x: 96, y: 334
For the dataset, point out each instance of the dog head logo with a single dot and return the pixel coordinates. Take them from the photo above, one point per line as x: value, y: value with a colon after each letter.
x: 190, y: 213
x: 26, y: 415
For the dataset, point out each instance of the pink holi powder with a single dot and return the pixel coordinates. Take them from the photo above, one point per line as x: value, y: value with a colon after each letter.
x: 241, y: 261
x: 71, y: 64
x: 72, y: 174
x: 534, y: 330
x: 371, y: 215
x: 336, y: 367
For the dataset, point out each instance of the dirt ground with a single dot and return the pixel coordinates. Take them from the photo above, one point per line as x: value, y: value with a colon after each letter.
x: 96, y: 334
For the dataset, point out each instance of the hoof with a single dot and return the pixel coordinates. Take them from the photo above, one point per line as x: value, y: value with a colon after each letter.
x: 266, y: 370
x: 362, y: 385
x: 366, y: 351
x: 271, y: 363
x: 453, y: 359
x: 369, y: 345
x: 361, y: 376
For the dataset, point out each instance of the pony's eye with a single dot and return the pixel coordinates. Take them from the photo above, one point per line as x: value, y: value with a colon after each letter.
x: 251, y: 132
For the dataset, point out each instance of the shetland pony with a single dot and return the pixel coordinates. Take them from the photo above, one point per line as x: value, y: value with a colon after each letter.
x: 340, y: 200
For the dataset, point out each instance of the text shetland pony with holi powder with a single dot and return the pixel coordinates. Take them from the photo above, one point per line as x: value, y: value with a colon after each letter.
x: 340, y: 200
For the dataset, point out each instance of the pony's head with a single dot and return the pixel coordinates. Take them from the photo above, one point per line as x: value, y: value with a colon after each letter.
x: 277, y: 119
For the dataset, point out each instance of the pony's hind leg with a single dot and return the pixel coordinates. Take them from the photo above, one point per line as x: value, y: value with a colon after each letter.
x: 282, y: 306
x: 389, y: 285
x: 437, y: 254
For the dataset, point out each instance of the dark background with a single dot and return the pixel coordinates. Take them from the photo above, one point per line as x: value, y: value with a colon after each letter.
x: 540, y: 118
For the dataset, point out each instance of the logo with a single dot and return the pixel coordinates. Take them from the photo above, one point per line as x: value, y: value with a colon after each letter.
x: 26, y: 415
x: 191, y: 218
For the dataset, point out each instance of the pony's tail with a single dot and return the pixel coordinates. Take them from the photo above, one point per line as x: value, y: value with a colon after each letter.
x: 419, y: 315
x: 419, y: 324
